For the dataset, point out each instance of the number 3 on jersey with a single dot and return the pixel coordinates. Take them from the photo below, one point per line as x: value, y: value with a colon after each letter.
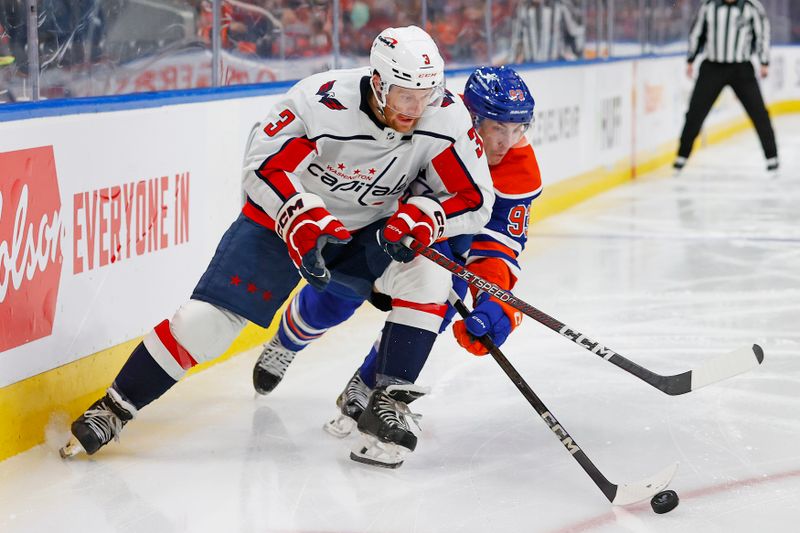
x: 518, y: 221
x: 272, y: 129
x: 473, y: 135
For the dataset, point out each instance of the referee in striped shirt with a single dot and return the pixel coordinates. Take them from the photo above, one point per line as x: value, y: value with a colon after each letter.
x: 729, y: 32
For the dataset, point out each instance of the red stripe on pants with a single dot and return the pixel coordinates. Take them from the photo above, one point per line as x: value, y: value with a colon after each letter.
x: 434, y: 309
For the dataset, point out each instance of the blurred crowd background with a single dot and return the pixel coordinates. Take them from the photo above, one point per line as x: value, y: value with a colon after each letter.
x: 60, y: 49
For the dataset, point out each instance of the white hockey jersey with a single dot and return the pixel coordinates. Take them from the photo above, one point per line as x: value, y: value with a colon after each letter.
x: 323, y: 138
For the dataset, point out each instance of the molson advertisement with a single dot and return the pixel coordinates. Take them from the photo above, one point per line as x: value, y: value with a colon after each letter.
x: 107, y: 220
x: 30, y: 245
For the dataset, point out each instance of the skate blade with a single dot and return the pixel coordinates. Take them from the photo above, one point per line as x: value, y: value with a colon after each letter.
x: 372, y: 451
x: 71, y: 449
x: 371, y: 462
x: 340, y: 427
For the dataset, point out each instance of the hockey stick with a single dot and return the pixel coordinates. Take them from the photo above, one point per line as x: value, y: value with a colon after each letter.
x: 617, y: 494
x: 717, y: 369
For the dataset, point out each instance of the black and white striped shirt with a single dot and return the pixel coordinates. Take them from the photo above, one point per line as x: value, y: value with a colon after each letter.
x: 730, y: 32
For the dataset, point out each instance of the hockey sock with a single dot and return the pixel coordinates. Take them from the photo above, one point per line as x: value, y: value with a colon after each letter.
x: 369, y: 366
x: 403, y: 352
x: 310, y: 314
x: 142, y: 379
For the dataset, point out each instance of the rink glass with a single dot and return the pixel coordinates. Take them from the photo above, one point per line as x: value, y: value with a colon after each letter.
x: 108, y: 47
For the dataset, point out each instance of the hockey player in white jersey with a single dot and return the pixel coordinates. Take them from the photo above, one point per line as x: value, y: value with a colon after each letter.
x: 323, y: 176
x: 376, y: 397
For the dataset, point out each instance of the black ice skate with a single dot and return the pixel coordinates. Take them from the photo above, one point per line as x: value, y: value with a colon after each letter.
x: 351, y: 403
x: 271, y: 366
x: 99, y: 424
x: 386, y: 435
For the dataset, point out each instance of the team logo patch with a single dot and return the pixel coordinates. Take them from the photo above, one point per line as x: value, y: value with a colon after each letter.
x: 363, y: 182
x: 516, y: 95
x: 388, y: 41
x: 327, y: 94
x: 448, y: 98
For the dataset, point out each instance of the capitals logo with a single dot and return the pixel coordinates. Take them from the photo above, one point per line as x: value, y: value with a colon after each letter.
x: 447, y: 99
x: 327, y: 94
x: 388, y: 41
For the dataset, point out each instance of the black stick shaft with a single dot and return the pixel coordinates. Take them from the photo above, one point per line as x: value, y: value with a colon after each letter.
x: 672, y: 385
x: 609, y: 489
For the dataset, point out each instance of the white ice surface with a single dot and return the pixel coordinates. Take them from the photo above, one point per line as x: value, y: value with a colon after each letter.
x: 666, y: 271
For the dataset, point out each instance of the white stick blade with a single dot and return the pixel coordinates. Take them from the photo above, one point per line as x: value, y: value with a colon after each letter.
x: 727, y: 365
x: 645, y: 489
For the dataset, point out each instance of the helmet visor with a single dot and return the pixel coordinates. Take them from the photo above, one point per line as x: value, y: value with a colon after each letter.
x: 413, y: 103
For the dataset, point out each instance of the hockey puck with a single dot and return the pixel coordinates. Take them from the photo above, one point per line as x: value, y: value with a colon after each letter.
x: 664, y: 501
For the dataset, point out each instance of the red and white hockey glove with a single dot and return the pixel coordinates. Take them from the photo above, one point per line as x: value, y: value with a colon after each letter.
x: 306, y: 227
x: 420, y: 217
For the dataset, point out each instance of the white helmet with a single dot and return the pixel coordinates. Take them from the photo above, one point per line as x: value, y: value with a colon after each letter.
x: 407, y: 57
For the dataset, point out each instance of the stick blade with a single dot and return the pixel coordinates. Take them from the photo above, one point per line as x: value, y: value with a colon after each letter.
x: 727, y: 365
x: 645, y: 489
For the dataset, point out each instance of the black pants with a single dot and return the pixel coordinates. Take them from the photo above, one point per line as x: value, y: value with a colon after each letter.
x: 713, y: 77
